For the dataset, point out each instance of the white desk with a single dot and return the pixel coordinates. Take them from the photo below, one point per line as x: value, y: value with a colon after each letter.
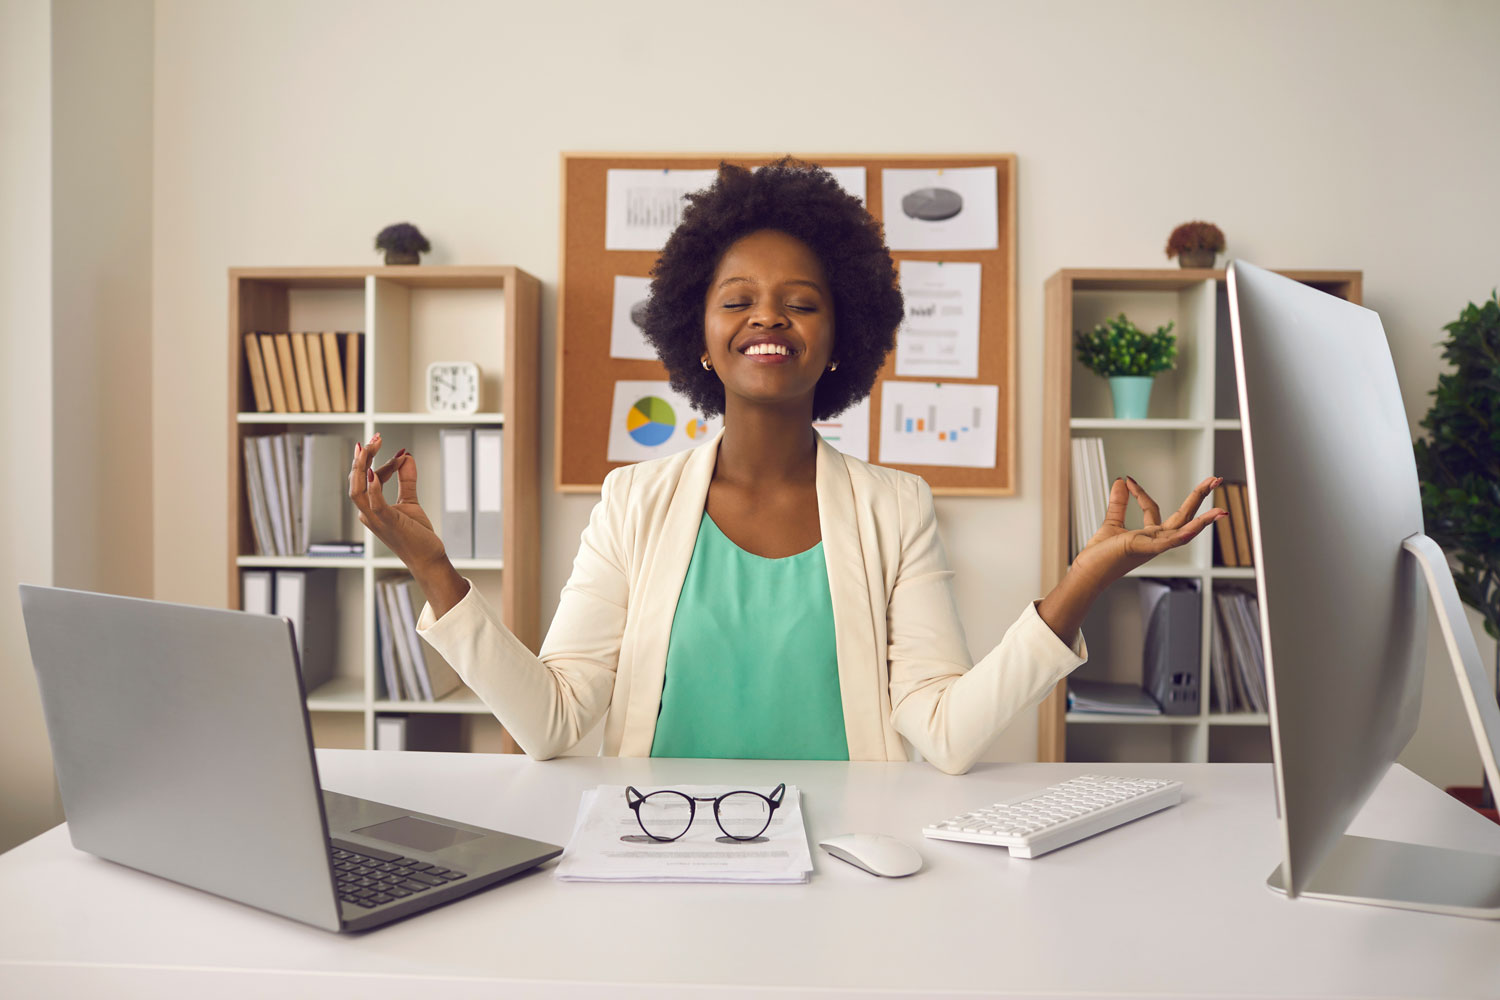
x: 1174, y: 904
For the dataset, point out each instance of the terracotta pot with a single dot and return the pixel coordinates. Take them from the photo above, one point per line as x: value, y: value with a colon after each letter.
x: 1196, y: 258
x: 391, y: 257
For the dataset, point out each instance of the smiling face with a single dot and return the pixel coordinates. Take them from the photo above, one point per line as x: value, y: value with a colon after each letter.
x: 768, y: 321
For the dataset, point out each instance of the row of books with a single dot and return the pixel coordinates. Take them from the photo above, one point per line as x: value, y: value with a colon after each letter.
x: 1235, y: 655
x: 310, y: 600
x: 405, y: 670
x: 304, y: 372
x: 1233, y: 532
x: 297, y: 488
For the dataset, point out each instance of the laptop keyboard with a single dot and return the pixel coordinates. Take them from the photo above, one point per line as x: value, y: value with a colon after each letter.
x: 368, y: 877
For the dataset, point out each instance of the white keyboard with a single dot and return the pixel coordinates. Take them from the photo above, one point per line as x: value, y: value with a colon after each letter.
x: 1060, y: 815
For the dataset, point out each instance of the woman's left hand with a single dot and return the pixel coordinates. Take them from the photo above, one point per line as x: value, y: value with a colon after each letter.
x: 1116, y: 550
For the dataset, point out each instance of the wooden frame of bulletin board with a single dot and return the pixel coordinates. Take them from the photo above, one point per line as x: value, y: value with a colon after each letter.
x: 586, y: 373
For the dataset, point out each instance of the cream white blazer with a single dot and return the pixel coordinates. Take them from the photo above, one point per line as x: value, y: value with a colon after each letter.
x: 905, y: 675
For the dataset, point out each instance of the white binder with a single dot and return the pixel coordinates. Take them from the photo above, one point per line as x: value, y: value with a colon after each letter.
x: 489, y: 540
x: 457, y: 445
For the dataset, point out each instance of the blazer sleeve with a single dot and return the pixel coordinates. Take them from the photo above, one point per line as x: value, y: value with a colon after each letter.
x: 949, y: 711
x: 548, y: 702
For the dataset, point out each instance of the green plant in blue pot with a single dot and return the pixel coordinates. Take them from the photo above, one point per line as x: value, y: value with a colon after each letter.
x: 1130, y: 358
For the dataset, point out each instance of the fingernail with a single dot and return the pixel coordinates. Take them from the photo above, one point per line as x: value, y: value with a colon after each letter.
x: 401, y: 452
x: 370, y: 475
x: 358, y: 449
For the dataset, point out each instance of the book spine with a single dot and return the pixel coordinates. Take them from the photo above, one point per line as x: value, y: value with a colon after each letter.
x: 315, y: 367
x: 288, y: 372
x: 335, y: 370
x: 1222, y: 530
x: 273, y: 372
x: 351, y: 371
x: 257, y: 367
x: 304, y: 375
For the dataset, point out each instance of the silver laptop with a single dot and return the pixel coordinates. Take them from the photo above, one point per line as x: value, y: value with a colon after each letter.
x: 182, y: 747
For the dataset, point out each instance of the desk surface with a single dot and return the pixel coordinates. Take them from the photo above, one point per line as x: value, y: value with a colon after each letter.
x: 1175, y: 903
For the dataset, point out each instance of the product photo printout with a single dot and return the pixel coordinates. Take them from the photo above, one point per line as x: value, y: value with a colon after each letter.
x: 642, y: 207
x: 944, y: 208
x: 649, y: 420
x: 938, y: 423
x: 940, y: 336
x: 627, y: 338
x: 849, y: 432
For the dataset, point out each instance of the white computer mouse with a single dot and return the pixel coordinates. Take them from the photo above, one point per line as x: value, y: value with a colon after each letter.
x: 875, y: 853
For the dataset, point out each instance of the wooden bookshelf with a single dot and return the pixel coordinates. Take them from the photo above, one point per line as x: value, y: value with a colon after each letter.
x: 1192, y: 430
x: 410, y: 316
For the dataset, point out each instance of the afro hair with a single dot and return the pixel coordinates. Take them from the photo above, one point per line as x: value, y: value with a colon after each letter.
x: 803, y: 201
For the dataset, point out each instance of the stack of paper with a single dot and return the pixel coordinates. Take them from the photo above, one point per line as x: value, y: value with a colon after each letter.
x: 1113, y: 699
x: 609, y: 846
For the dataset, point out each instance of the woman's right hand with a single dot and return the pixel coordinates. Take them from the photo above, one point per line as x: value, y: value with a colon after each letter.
x: 403, y: 526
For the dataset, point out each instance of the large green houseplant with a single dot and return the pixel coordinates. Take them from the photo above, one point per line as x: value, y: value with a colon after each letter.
x: 1459, y: 463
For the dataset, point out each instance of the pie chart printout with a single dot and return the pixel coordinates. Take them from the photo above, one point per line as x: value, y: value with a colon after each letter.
x: 650, y: 421
x: 932, y: 204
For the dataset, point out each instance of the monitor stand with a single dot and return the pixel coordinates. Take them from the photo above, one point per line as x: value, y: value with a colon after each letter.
x: 1414, y: 876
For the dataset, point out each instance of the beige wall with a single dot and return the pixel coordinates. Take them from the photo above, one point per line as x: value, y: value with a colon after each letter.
x: 1349, y: 135
x: 75, y: 285
x: 27, y: 790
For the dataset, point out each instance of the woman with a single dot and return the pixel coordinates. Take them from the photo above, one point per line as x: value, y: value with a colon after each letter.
x: 763, y: 595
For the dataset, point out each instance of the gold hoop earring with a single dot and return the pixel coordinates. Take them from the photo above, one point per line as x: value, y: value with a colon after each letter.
x: 707, y: 365
x: 833, y: 367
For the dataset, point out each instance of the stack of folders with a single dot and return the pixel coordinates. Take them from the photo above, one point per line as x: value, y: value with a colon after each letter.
x: 1090, y: 490
x: 471, y: 527
x: 1236, y: 657
x: 308, y: 597
x: 297, y: 487
x: 304, y: 372
x: 1106, y: 698
x: 406, y: 669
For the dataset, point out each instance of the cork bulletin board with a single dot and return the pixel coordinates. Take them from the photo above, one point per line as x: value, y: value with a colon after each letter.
x: 586, y: 373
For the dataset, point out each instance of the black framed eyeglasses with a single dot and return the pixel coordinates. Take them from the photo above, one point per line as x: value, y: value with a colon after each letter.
x: 666, y: 815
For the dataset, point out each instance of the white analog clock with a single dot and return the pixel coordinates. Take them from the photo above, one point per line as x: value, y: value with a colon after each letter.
x: 452, y: 387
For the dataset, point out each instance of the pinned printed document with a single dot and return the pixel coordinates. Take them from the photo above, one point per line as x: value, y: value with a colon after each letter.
x: 947, y: 208
x: 938, y: 423
x: 627, y: 328
x: 642, y: 207
x: 649, y: 419
x: 849, y: 432
x: 940, y: 336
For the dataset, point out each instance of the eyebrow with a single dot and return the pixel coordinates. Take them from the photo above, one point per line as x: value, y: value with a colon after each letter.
x: 794, y: 281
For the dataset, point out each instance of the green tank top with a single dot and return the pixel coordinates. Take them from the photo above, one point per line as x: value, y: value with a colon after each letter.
x: 752, y: 667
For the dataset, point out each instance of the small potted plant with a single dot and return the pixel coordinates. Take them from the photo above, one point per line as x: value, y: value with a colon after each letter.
x: 1130, y: 358
x: 1194, y: 244
x: 402, y: 243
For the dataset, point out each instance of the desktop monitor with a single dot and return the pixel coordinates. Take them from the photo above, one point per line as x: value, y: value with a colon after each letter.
x: 1344, y: 574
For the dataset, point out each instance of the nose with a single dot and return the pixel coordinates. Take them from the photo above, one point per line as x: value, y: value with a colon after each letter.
x: 767, y: 315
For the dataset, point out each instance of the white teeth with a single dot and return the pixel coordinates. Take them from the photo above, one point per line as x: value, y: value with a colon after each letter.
x: 767, y: 349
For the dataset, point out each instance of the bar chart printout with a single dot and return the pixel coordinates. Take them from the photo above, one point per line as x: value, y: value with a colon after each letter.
x: 938, y: 423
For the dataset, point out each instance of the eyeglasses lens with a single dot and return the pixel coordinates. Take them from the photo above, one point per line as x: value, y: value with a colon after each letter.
x: 666, y: 814
x: 744, y: 814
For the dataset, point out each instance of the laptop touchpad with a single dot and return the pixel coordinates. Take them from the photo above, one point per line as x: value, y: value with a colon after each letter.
x: 408, y: 831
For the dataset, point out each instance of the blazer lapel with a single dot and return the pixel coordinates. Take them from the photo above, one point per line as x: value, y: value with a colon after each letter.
x: 661, y: 586
x: 860, y: 664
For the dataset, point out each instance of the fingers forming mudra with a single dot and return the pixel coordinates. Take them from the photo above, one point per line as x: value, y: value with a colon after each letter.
x: 403, y: 526
x: 1121, y: 549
